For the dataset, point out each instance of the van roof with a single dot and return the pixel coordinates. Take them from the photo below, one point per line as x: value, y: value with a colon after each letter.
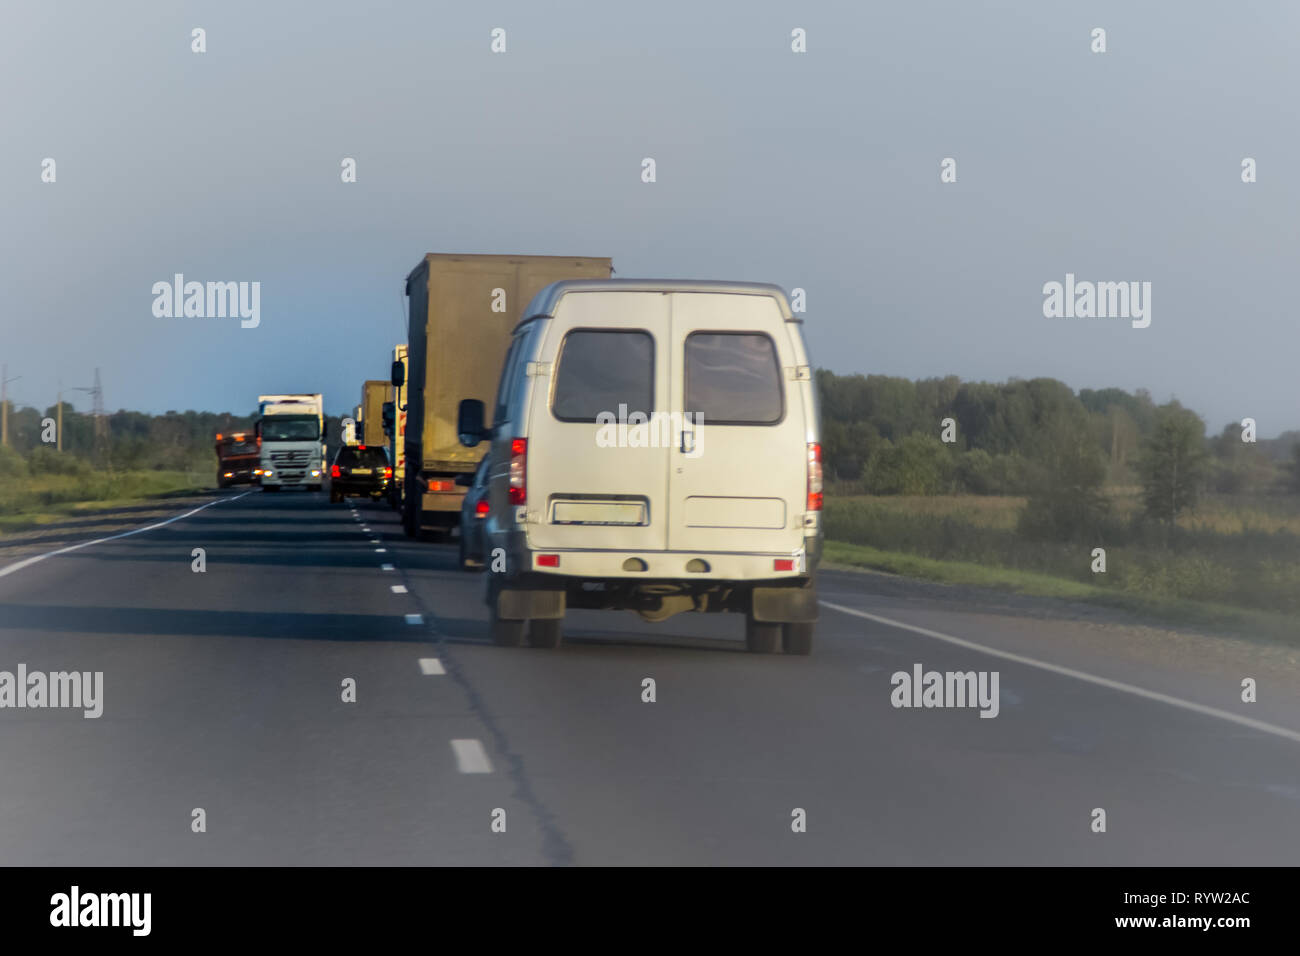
x: 546, y: 301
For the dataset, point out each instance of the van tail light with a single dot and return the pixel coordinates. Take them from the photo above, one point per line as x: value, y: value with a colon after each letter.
x: 334, y: 471
x: 814, y: 476
x: 518, y: 463
x: 388, y: 472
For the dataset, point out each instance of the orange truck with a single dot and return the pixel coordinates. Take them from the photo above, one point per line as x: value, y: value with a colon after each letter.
x: 237, y: 458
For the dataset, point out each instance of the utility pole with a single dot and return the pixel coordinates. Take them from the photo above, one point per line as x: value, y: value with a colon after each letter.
x: 4, y: 403
x: 101, y: 421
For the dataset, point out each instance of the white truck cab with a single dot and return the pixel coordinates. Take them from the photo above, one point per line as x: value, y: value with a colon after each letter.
x: 292, y: 430
x: 654, y: 446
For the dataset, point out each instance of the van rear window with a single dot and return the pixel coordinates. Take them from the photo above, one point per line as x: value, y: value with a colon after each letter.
x: 599, y: 370
x: 733, y: 378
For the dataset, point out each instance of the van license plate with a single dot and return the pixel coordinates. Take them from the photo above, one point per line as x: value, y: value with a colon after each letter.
x: 599, y: 512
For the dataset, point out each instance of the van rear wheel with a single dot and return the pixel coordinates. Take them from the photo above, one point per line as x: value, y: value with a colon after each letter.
x: 761, y: 637
x: 545, y: 633
x: 797, y: 638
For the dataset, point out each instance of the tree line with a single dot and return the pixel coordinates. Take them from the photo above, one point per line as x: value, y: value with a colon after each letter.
x: 136, y: 441
x: 1039, y: 438
x: 880, y: 434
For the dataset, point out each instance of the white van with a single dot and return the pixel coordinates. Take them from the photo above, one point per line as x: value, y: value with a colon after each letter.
x: 654, y: 446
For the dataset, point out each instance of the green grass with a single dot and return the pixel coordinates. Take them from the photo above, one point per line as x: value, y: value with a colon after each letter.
x: 1235, y: 552
x: 1173, y: 611
x: 32, y: 501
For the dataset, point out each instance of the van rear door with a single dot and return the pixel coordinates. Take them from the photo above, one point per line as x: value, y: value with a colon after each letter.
x: 594, y: 485
x: 737, y: 480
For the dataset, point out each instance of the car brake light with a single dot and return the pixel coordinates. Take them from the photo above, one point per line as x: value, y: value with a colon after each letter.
x: 783, y: 564
x: 548, y: 560
x: 518, y: 488
x: 388, y: 472
x: 814, y: 476
x: 334, y: 471
x: 482, y: 508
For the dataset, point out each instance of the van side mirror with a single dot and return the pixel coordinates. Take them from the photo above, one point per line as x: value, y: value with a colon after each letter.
x: 469, y: 422
x: 398, y: 375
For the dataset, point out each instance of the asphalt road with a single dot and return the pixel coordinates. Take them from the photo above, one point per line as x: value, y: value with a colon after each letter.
x: 223, y: 690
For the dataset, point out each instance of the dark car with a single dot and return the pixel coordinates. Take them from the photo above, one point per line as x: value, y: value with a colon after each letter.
x: 360, y: 470
x: 473, y: 514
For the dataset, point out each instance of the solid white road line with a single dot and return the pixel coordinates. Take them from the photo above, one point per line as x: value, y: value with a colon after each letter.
x: 471, y: 757
x: 385, y: 567
x: 399, y: 588
x: 431, y: 665
x: 415, y: 619
x: 28, y: 562
x: 1080, y: 675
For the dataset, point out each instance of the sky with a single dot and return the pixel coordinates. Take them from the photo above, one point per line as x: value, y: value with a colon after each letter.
x: 816, y: 170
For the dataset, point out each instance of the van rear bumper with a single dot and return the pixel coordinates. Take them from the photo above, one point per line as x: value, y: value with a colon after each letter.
x: 685, y: 566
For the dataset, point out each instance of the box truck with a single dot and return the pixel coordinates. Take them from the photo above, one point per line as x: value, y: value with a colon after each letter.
x: 374, y: 393
x: 463, y: 311
x: 394, y: 413
x: 237, y: 459
x: 291, y: 429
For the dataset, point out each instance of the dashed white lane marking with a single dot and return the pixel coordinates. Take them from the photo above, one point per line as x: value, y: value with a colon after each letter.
x: 431, y: 665
x: 399, y: 588
x: 374, y: 540
x: 28, y: 562
x: 385, y: 567
x: 1080, y: 675
x: 471, y: 757
x: 381, y: 550
x: 415, y: 619
x: 365, y: 529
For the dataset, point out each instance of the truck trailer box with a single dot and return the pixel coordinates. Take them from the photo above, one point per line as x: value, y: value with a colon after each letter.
x: 373, y: 395
x: 463, y: 310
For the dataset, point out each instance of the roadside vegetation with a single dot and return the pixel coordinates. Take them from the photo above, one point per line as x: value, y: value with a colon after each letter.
x: 1035, y: 482
x: 45, y: 486
x: 132, y: 458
